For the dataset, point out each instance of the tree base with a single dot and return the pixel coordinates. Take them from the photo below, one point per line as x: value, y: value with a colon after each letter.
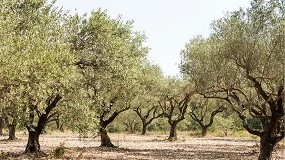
x: 109, y: 146
x: 33, y: 145
x: 172, y: 139
x: 12, y: 139
x: 105, y: 139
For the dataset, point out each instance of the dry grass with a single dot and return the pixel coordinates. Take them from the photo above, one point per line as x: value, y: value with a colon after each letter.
x: 133, y: 146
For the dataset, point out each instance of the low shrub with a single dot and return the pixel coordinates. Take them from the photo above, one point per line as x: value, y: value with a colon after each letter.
x: 59, y: 151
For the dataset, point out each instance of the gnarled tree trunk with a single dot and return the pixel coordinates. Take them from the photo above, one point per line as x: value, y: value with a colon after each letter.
x: 266, y: 148
x: 144, y: 127
x: 148, y: 116
x: 12, y: 130
x: 33, y: 145
x: 174, y: 111
x: 173, y: 133
x: 105, y: 121
x: 105, y: 139
x: 199, y: 115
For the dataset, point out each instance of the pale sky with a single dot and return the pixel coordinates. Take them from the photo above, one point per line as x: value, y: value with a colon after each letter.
x: 168, y: 24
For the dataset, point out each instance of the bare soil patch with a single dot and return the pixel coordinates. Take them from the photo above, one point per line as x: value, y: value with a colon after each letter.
x: 139, y: 147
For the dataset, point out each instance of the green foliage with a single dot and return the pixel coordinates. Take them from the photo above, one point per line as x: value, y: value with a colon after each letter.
x: 130, y: 120
x: 227, y: 125
x: 159, y: 125
x: 183, y: 126
x: 242, y: 62
x: 36, y: 62
x: 109, y: 55
x: 116, y: 127
x: 255, y: 123
x: 77, y: 115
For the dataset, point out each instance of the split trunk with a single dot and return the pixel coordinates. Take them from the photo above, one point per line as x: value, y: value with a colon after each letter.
x: 33, y: 145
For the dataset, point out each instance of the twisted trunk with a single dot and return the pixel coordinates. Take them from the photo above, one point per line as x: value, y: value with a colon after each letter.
x: 151, y: 114
x: 104, y: 122
x: 105, y: 139
x: 33, y: 145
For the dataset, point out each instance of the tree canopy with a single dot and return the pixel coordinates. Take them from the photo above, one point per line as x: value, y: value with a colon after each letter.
x: 242, y: 62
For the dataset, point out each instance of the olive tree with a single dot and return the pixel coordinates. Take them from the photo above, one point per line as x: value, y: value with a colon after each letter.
x: 150, y: 88
x: 36, y: 63
x: 130, y: 120
x: 203, y: 111
x: 242, y: 62
x: 174, y: 103
x: 109, y: 55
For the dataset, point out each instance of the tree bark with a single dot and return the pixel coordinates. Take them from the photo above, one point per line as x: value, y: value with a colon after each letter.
x: 105, y: 139
x: 1, y: 125
x: 144, y: 126
x: 266, y: 147
x: 172, y: 134
x: 33, y: 145
x: 12, y: 130
x: 57, y: 123
x: 204, y: 130
x: 133, y: 128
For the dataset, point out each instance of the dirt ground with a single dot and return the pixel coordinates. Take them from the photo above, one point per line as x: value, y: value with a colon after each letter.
x: 132, y: 146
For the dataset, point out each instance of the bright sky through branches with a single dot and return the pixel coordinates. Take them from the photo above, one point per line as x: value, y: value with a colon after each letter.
x: 168, y: 24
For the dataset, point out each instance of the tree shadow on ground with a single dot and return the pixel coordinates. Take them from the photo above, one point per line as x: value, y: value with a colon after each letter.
x: 20, y: 156
x: 185, y: 151
x: 122, y: 153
